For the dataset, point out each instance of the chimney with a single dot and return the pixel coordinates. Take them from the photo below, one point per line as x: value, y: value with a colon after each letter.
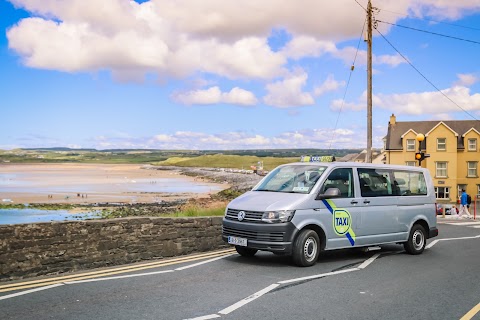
x: 393, y: 119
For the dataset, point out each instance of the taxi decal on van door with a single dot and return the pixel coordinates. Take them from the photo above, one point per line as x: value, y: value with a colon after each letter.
x: 342, y: 221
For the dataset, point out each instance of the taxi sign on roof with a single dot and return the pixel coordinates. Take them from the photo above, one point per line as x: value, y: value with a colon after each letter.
x: 317, y: 159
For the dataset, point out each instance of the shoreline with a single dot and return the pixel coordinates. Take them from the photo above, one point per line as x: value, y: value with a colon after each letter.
x: 98, y: 183
x: 230, y: 183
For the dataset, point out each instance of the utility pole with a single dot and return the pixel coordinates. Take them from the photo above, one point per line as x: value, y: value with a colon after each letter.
x: 368, y: 159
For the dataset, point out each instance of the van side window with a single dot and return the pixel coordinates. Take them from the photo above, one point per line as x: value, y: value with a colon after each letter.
x: 375, y: 182
x: 342, y: 179
x: 409, y: 183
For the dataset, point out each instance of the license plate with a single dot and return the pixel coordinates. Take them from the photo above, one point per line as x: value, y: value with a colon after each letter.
x: 237, y: 241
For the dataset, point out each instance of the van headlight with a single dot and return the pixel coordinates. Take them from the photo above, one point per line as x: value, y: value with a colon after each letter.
x: 278, y: 216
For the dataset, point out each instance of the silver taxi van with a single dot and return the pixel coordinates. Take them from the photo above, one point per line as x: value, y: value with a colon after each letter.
x: 300, y: 209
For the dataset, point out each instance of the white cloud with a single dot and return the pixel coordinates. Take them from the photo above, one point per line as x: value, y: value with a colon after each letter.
x: 213, y: 95
x: 466, y: 79
x: 330, y: 84
x: 431, y: 102
x: 181, y: 37
x: 347, y: 54
x: 445, y: 9
x: 307, y: 46
x: 419, y: 103
x: 288, y: 92
x: 308, y: 138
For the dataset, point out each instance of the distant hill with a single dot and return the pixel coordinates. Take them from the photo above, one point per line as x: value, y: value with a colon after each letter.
x: 145, y: 156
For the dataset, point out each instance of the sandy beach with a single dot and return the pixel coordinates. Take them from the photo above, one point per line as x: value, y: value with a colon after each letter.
x: 98, y: 183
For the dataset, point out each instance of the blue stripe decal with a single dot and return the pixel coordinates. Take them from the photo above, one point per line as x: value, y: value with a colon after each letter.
x: 328, y: 206
x: 349, y: 237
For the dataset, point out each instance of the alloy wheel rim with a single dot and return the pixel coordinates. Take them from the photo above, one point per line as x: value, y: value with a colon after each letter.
x: 418, y: 240
x: 310, y: 249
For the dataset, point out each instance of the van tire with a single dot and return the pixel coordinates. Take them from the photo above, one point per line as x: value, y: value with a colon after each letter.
x: 306, y: 248
x: 245, y: 252
x: 416, y: 240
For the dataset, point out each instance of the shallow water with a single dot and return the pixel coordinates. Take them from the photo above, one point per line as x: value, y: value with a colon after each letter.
x: 16, y: 216
x: 18, y: 183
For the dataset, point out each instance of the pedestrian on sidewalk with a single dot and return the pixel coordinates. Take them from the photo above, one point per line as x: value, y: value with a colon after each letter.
x: 464, y: 206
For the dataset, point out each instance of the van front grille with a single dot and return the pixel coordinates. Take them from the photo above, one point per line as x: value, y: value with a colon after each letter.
x: 253, y: 235
x: 250, y: 216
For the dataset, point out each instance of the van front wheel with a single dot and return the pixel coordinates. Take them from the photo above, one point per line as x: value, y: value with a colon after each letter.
x: 306, y: 248
x: 416, y: 240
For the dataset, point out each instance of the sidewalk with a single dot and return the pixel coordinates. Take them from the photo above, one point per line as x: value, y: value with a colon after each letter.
x: 456, y: 218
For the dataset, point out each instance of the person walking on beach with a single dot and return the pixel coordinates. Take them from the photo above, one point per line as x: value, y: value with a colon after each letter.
x: 464, y: 206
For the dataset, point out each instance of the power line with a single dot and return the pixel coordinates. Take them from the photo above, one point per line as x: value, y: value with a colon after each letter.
x: 361, y: 5
x: 434, y: 33
x: 430, y: 20
x: 348, y: 83
x: 430, y: 82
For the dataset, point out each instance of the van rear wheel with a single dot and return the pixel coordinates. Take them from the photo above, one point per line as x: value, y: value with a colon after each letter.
x: 245, y: 252
x: 416, y: 240
x: 306, y: 248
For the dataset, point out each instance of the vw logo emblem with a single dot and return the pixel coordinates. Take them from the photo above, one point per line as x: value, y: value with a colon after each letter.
x: 241, y: 215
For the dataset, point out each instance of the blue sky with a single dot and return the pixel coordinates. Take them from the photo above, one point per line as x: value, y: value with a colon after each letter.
x: 216, y: 74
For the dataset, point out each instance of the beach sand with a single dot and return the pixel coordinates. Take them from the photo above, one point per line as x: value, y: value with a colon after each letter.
x: 98, y: 183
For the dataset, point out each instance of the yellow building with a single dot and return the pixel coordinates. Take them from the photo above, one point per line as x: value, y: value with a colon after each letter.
x: 454, y: 152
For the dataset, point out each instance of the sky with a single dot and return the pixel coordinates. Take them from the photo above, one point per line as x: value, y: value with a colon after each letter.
x: 223, y: 74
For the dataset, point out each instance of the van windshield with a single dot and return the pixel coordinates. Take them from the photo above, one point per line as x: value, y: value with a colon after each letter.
x: 291, y: 179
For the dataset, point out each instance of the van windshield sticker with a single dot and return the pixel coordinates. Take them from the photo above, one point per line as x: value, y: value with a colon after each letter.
x: 342, y: 221
x: 301, y: 189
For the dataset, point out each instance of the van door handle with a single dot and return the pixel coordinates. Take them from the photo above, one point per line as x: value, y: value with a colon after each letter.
x: 354, y: 202
x: 366, y: 201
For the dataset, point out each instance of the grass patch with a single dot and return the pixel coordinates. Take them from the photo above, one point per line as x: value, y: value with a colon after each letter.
x: 194, y: 211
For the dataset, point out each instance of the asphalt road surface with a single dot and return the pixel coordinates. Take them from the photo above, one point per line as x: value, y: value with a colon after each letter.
x: 441, y: 283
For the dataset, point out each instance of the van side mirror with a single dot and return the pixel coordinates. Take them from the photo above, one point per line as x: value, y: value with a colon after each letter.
x: 330, y: 193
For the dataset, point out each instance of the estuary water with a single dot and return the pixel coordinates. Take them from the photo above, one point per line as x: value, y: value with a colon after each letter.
x: 89, y: 184
x: 15, y: 216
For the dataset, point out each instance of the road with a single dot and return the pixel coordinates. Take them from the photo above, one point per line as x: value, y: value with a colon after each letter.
x: 442, y: 283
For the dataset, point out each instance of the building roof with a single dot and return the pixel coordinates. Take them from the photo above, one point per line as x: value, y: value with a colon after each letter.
x: 398, y: 129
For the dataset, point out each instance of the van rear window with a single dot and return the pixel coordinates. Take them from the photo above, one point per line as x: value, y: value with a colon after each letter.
x: 388, y: 182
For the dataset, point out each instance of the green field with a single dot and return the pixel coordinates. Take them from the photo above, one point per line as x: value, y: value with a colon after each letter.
x: 195, y: 158
x: 226, y: 161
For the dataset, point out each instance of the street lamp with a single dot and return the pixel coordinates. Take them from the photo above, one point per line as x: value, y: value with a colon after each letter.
x: 420, y: 155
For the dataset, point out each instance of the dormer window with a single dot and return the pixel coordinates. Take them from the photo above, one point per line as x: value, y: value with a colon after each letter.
x: 472, y: 144
x: 410, y: 144
x: 441, y: 144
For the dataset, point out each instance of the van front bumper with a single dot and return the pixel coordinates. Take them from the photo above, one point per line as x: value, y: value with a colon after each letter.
x: 433, y: 232
x: 274, y: 237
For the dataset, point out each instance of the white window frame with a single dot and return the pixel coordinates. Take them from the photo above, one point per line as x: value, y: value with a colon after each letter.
x: 444, y: 143
x: 409, y: 145
x: 411, y: 163
x: 437, y: 175
x: 446, y: 193
x: 472, y: 171
x: 472, y: 145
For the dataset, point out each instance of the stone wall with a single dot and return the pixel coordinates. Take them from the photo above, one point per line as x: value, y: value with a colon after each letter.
x: 49, y: 248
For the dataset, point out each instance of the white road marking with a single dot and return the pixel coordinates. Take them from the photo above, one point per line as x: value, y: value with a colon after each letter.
x: 203, y: 262
x: 318, y: 276
x: 30, y: 291
x: 476, y: 227
x: 368, y: 262
x: 248, y: 299
x: 210, y: 316
x: 118, y: 277
x: 431, y: 244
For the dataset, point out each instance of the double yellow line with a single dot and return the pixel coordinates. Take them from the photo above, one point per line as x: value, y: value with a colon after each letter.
x: 109, y: 272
